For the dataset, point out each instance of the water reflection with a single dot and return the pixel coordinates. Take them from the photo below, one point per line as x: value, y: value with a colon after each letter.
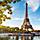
x: 36, y: 38
x: 14, y: 38
x: 9, y: 38
x: 19, y: 38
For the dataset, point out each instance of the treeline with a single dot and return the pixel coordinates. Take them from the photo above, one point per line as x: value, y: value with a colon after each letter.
x: 7, y: 29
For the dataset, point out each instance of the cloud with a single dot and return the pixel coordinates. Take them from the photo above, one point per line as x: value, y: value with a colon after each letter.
x: 13, y: 22
x: 36, y: 27
x: 34, y: 4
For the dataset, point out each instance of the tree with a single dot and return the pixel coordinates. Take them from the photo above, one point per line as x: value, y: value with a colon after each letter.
x: 4, y: 3
x: 16, y: 29
x: 3, y: 17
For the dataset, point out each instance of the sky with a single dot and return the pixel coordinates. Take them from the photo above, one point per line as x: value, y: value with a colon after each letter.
x: 18, y: 15
x: 34, y: 13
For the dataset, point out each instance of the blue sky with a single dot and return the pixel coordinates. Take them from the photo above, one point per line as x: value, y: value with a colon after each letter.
x: 34, y: 14
x: 35, y: 18
x: 19, y: 14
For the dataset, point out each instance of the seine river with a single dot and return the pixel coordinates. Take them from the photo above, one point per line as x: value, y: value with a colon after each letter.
x: 14, y: 38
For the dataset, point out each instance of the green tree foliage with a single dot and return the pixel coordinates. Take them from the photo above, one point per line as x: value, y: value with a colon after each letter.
x: 16, y: 1
x: 4, y: 3
x: 3, y: 17
x: 16, y: 29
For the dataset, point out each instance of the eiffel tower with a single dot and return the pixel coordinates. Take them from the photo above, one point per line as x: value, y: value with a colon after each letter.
x: 26, y: 24
x: 26, y: 27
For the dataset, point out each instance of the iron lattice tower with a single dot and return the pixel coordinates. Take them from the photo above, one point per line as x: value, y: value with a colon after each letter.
x: 26, y: 24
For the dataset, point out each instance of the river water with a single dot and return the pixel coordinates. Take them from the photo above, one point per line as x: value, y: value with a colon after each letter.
x: 14, y: 38
x: 36, y: 38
